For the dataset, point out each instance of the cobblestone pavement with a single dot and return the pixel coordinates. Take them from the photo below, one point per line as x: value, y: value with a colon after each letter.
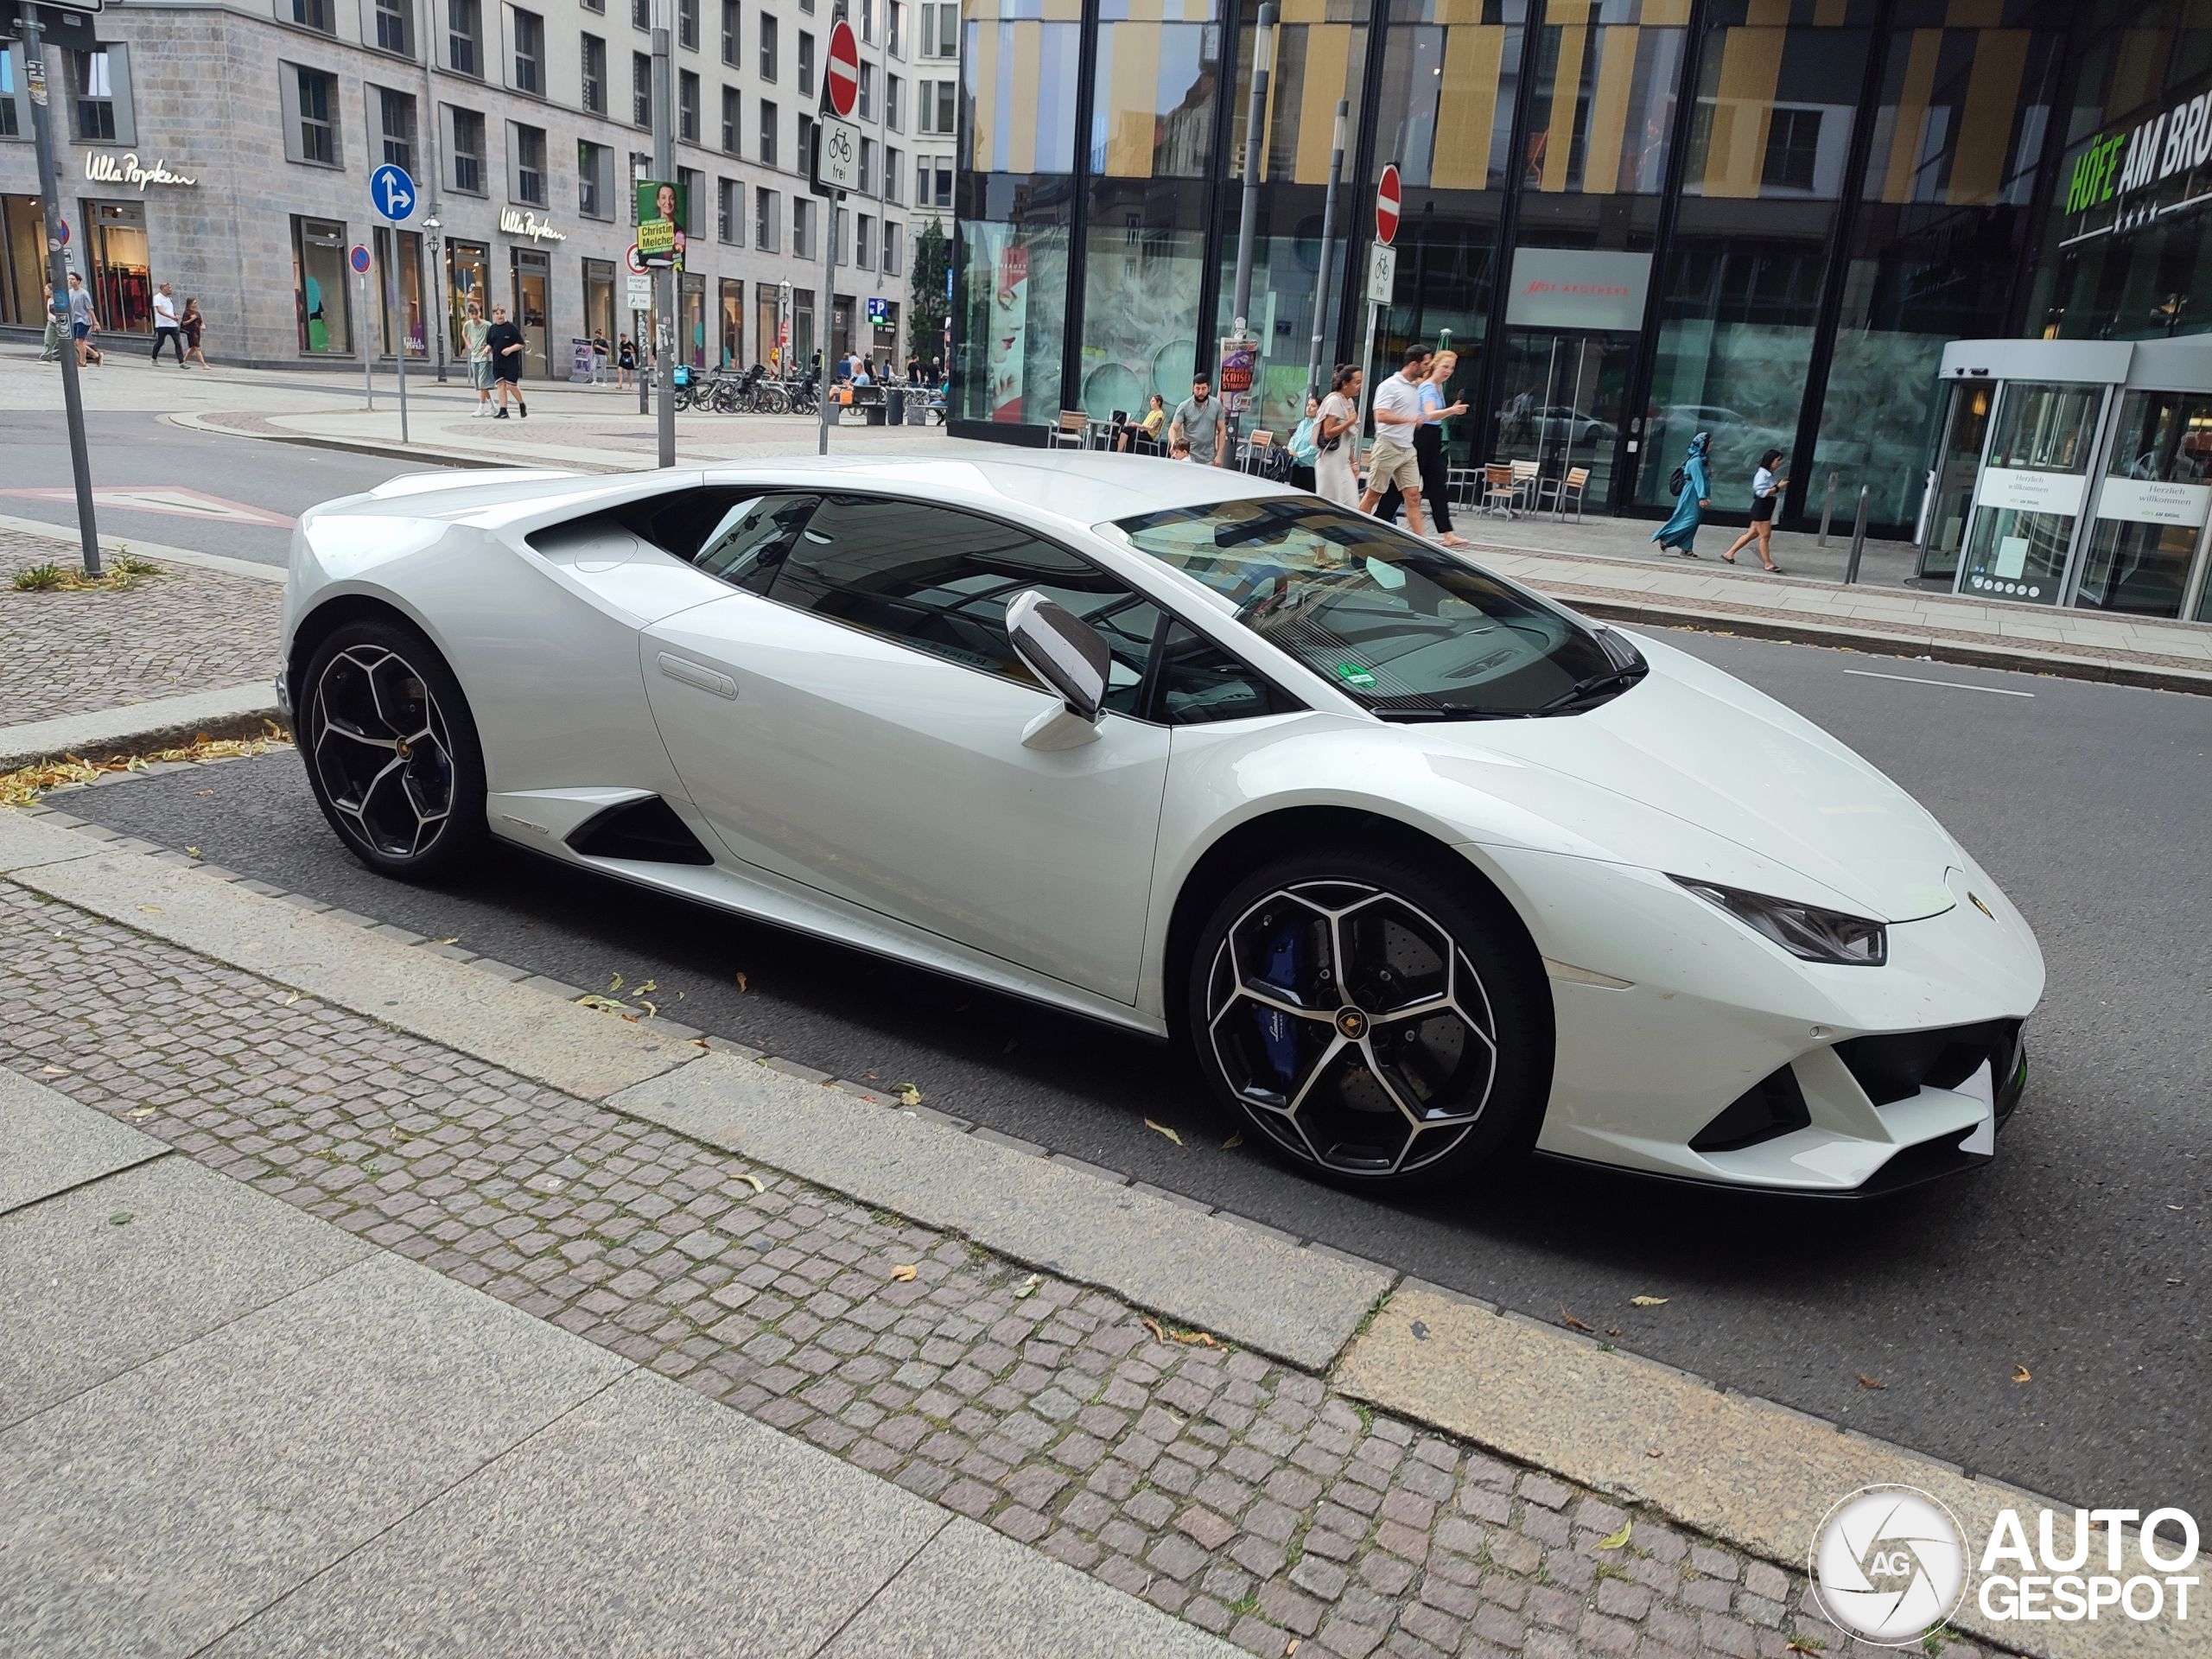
x: 188, y: 629
x: 1243, y: 1496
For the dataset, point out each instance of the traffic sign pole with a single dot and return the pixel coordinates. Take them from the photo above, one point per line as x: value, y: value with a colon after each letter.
x: 1390, y: 198
x: 358, y: 258
x: 829, y: 311
x: 665, y: 286
x: 841, y: 79
x: 391, y: 192
x: 35, y: 66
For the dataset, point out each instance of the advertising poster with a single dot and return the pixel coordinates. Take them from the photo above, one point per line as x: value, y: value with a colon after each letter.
x: 1009, y: 336
x: 662, y: 214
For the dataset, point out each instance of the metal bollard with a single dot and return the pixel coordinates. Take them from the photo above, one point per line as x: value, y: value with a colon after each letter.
x: 1827, y: 512
x: 1858, y: 539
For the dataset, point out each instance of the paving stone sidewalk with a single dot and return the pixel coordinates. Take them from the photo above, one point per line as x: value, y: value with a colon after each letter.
x: 188, y: 629
x: 1220, y: 1486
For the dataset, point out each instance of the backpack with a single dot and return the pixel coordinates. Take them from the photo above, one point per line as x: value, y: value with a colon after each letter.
x: 1677, y: 481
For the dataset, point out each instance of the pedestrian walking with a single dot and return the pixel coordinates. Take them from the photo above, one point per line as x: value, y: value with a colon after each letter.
x: 1765, y: 488
x: 1430, y: 450
x: 1336, y: 437
x: 1692, y: 487
x: 83, y: 320
x: 1397, y: 416
x: 626, y: 361
x: 1304, y: 446
x: 505, y: 343
x: 601, y: 355
x: 1198, y: 422
x: 50, y: 349
x: 194, y: 324
x: 473, y: 334
x: 913, y: 368
x: 168, y: 325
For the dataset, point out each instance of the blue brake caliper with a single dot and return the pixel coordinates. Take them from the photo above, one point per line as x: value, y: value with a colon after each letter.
x: 1286, y: 961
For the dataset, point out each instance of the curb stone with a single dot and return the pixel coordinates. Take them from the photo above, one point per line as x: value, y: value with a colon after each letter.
x: 1361, y: 1362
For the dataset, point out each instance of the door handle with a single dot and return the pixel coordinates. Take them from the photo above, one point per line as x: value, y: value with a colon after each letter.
x: 691, y: 673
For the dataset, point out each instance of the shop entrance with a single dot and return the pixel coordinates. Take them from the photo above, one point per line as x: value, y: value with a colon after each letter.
x: 1563, y: 399
x: 122, y: 280
x: 533, y: 285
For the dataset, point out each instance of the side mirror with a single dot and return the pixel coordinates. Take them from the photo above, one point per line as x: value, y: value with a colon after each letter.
x: 1066, y: 653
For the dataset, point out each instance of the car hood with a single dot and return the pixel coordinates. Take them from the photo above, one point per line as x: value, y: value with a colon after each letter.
x: 1691, y: 743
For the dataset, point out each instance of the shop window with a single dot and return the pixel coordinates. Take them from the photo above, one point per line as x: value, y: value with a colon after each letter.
x: 529, y: 51
x: 2139, y: 558
x: 321, y: 286
x: 401, y: 267
x: 767, y: 46
x: 595, y: 180
x: 533, y: 304
x: 732, y: 120
x: 767, y: 221
x: 732, y: 19
x: 527, y: 145
x: 395, y: 20
x: 122, y: 275
x: 691, y: 344
x: 641, y: 90
x: 318, y: 15
x: 805, y: 63
x: 465, y: 36
x: 1013, y: 298
x: 99, y: 96
x: 731, y: 294
x: 468, y: 146
x: 687, y: 106
x: 599, y: 305
x: 594, y: 74
x: 311, y: 112
x: 468, y: 266
x: 767, y: 134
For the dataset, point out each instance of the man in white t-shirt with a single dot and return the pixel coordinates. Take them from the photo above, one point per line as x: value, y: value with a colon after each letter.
x: 168, y: 326
x: 1397, y: 416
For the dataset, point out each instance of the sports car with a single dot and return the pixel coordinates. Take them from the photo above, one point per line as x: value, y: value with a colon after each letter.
x: 1424, y: 870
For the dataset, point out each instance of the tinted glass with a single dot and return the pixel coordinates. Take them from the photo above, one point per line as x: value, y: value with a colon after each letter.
x: 753, y: 539
x: 939, y: 581
x: 1199, y: 682
x: 1389, y: 620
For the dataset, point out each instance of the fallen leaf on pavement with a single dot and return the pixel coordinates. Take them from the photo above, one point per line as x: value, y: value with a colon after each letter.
x: 121, y: 1218
x: 752, y: 1181
x: 1152, y: 1326
x: 1615, y: 1332
x: 902, y: 1273
x: 2022, y: 1374
x: 204, y: 794
x: 191, y: 852
x: 1291, y: 1648
x: 144, y: 1112
x: 293, y: 998
x: 1655, y: 1453
x: 151, y: 910
x: 650, y: 985
x: 1797, y: 1646
x: 52, y: 1071
x: 1866, y: 1382
x: 1232, y: 1143
x: 603, y: 1004
x: 1573, y: 1323
x: 1028, y: 1286
x: 1615, y: 1540
x: 1647, y: 1301
x: 1161, y: 1129
x: 740, y: 984
x: 907, y: 1093
x: 652, y: 1009
x: 614, y: 984
x: 456, y: 939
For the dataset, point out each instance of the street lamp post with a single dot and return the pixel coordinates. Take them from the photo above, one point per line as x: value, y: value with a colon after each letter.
x: 1263, y: 41
x: 438, y: 276
x: 1314, y: 382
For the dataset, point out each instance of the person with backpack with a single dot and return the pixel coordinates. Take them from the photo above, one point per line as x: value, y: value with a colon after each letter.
x: 1304, y: 447
x: 1693, y: 487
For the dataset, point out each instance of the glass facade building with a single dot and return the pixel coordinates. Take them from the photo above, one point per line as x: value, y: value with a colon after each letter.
x: 1633, y: 219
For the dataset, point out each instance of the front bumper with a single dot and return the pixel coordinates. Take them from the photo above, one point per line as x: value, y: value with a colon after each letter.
x: 1668, y: 1016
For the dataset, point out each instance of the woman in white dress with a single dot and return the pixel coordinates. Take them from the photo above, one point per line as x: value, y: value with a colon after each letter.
x: 1335, y: 477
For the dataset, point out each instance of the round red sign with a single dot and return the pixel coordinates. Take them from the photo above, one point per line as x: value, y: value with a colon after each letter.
x: 841, y: 80
x: 1387, y: 198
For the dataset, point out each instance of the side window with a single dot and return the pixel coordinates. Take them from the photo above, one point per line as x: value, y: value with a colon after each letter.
x: 938, y: 582
x: 1199, y: 682
x: 754, y: 538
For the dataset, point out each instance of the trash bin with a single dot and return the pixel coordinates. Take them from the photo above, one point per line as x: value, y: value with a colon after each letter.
x: 895, y: 399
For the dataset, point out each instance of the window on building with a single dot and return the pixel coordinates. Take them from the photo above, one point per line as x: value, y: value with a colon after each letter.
x: 868, y: 92
x: 767, y: 133
x: 892, y: 114
x: 864, y: 244
x: 1793, y: 144
x: 894, y: 174
x: 641, y: 14
x: 895, y: 41
x: 687, y: 106
x: 767, y: 221
x: 465, y: 36
x: 527, y: 145
x: 867, y: 166
x: 599, y: 6
x: 694, y: 199
x: 467, y: 143
x: 805, y: 63
x: 803, y: 227
x: 687, y: 24
x: 767, y: 46
x: 942, y: 196
x: 325, y: 287
x: 312, y: 128
x: 867, y: 21
x: 732, y: 120
x: 395, y: 113
x: 93, y: 78
x: 803, y: 161
x: 10, y: 122
x: 396, y: 27
x: 934, y: 106
x: 529, y: 51
x: 318, y: 15
x: 729, y: 211
x: 594, y: 72
x: 940, y: 28
x: 731, y: 21
x: 894, y: 257
x: 595, y: 180
x: 641, y: 90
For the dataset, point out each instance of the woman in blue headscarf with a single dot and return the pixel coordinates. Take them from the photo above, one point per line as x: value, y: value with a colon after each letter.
x: 1679, y: 532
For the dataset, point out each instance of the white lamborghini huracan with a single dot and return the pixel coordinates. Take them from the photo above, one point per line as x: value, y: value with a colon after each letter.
x: 1425, y: 869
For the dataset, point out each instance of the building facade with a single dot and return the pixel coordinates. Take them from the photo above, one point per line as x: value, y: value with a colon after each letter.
x: 227, y: 149
x: 1634, y: 220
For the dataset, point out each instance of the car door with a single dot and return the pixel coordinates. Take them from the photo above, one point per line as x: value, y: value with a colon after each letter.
x: 852, y: 718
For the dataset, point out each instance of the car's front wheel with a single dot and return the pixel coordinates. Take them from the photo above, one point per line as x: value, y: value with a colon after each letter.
x: 391, y: 751
x: 1377, y: 1018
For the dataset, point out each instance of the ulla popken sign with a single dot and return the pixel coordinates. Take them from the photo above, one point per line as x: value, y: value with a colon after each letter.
x: 104, y: 167
x: 1578, y: 288
x: 514, y: 221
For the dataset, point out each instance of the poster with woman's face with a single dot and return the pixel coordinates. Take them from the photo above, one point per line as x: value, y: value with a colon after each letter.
x: 662, y: 213
x: 1009, y: 347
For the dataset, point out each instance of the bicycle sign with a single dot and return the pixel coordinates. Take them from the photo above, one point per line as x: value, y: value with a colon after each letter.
x: 840, y: 167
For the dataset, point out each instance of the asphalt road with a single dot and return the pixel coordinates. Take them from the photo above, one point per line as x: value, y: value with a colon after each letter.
x: 2083, y: 1255
x: 131, y: 448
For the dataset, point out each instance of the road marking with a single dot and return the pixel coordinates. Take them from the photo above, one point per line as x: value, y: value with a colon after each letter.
x: 164, y: 499
x: 1952, y: 685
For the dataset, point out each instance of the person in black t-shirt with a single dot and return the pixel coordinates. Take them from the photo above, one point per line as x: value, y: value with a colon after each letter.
x: 504, y: 342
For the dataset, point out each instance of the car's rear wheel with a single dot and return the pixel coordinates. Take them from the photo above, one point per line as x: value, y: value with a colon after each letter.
x: 1380, y: 1019
x: 391, y: 751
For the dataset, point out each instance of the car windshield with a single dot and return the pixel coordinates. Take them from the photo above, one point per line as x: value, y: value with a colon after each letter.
x: 1399, y: 625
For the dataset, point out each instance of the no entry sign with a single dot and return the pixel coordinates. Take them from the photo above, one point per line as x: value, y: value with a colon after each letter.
x: 841, y: 81
x: 1386, y: 200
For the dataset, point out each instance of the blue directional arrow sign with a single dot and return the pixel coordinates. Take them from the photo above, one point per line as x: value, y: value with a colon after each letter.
x: 391, y: 192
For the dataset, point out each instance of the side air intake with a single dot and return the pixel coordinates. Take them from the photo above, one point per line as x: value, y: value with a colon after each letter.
x: 647, y: 831
x: 1773, y: 1106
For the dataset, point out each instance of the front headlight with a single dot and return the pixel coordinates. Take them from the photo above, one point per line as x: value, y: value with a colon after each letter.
x: 1804, y: 930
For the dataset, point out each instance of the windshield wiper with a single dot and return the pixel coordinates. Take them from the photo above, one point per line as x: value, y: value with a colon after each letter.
x: 1624, y: 676
x: 1452, y: 711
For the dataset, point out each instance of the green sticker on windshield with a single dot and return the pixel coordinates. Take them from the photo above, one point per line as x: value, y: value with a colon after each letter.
x: 1355, y: 677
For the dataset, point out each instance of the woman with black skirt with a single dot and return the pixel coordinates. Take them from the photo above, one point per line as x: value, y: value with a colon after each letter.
x: 1428, y: 451
x: 1766, y: 488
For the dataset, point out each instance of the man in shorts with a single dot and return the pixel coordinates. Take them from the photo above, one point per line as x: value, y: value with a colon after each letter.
x: 473, y: 332
x: 1397, y: 416
x: 1198, y: 421
x: 504, y: 342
